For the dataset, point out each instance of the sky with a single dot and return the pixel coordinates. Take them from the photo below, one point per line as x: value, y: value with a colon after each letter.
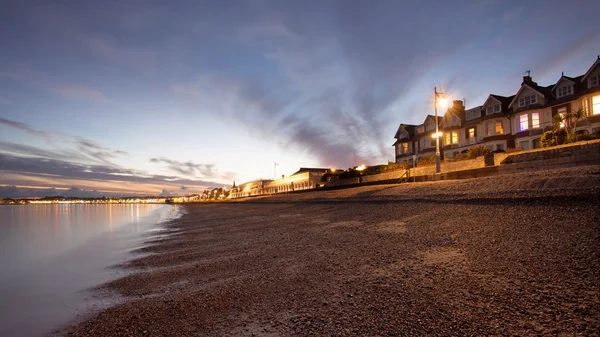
x: 137, y: 97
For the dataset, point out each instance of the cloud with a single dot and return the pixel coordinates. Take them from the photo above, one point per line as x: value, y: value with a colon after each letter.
x: 11, y: 191
x: 80, y: 92
x: 61, y: 169
x: 26, y: 128
x: 187, y: 168
x: 97, y: 151
x: 165, y: 193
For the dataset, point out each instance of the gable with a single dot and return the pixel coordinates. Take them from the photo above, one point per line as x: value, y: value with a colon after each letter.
x: 491, y: 100
x: 561, y: 81
x: 525, y: 90
x: 592, y: 70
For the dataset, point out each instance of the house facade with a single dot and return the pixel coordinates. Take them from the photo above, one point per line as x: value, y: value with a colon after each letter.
x: 303, y: 179
x: 504, y: 122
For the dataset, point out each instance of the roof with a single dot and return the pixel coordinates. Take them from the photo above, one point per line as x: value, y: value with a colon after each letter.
x: 408, y: 127
x: 591, y: 69
x: 311, y: 169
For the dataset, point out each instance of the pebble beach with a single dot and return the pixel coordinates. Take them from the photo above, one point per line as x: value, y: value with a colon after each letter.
x: 516, y: 254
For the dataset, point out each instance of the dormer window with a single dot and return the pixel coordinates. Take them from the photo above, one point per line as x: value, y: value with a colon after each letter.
x: 594, y: 80
x: 493, y: 109
x: 527, y: 100
x: 564, y: 90
x: 473, y: 113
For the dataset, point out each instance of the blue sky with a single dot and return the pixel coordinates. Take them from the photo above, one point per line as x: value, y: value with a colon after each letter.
x: 173, y: 97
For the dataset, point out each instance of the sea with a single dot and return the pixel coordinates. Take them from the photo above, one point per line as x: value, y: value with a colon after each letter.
x: 52, y: 257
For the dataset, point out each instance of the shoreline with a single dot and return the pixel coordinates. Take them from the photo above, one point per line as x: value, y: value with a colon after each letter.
x: 511, y: 254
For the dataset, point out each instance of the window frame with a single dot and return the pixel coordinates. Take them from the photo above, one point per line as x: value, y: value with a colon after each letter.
x: 596, y: 105
x: 533, y: 120
x: 523, y: 122
x: 499, y: 123
x: 527, y: 100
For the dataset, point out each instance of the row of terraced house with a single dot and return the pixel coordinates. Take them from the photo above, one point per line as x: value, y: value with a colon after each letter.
x: 505, y: 122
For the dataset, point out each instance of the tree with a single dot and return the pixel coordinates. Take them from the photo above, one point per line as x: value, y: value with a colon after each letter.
x: 573, y: 117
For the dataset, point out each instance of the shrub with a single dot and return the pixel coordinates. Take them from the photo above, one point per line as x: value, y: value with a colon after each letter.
x: 547, y: 139
x: 513, y: 150
x: 426, y: 160
x: 552, y: 138
x: 377, y: 169
x: 351, y: 173
x: 477, y: 151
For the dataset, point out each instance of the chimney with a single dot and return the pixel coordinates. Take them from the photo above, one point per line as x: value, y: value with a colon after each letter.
x: 527, y: 78
x: 458, y: 104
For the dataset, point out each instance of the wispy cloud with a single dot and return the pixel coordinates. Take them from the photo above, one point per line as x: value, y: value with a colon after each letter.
x: 66, y: 170
x: 80, y: 92
x: 188, y: 168
x: 26, y: 128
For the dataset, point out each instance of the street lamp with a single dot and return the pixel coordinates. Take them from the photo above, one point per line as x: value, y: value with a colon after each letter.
x: 438, y: 98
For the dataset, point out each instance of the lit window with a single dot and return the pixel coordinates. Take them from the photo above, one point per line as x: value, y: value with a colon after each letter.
x: 523, y: 122
x: 499, y: 128
x: 527, y: 100
x: 472, y: 133
x: 404, y: 147
x: 596, y: 105
x: 563, y: 114
x: 585, y: 106
x: 454, y: 137
x: 448, y: 141
x: 564, y: 90
x: 594, y: 80
x: 488, y: 128
x: 535, y: 120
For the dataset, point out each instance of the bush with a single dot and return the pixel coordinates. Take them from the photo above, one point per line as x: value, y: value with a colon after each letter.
x: 477, y: 151
x: 547, y: 139
x: 351, y: 173
x: 553, y: 138
x: 513, y: 150
x: 377, y: 169
x: 426, y: 160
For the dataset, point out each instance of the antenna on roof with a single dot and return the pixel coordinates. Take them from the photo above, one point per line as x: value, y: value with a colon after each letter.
x: 562, y: 73
x: 528, y: 72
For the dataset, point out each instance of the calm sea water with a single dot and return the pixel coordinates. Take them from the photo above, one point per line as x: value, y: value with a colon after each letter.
x: 52, y: 255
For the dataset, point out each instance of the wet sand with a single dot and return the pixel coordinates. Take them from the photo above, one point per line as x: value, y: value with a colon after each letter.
x: 507, y: 255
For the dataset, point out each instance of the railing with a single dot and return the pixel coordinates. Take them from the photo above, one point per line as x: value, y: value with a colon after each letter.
x: 404, y: 178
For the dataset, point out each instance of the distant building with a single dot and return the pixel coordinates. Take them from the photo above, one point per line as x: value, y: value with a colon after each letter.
x: 304, y: 179
x: 504, y: 122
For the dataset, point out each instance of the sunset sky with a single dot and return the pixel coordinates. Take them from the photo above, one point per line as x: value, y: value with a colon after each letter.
x: 172, y: 97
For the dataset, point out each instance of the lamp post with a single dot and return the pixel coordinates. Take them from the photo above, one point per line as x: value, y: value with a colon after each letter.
x: 442, y: 102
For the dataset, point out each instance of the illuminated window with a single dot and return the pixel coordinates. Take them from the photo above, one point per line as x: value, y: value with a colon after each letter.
x: 535, y: 120
x: 499, y: 128
x: 596, y: 105
x: 527, y: 100
x: 471, y: 135
x: 523, y: 122
x: 404, y: 147
x: 563, y: 114
x: 585, y: 106
x: 452, y: 137
x: 564, y: 90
